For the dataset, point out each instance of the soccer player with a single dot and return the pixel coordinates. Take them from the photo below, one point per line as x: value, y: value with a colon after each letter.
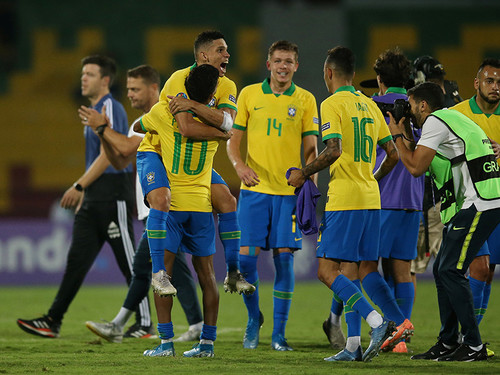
x: 351, y: 126
x: 484, y: 109
x: 143, y: 89
x: 188, y: 162
x: 103, y: 198
x: 278, y: 117
x: 209, y: 48
x: 463, y: 166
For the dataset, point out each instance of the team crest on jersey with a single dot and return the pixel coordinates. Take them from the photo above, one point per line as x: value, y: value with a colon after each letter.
x: 182, y: 95
x: 325, y: 126
x: 150, y: 177
x: 292, y: 110
x: 232, y: 98
x: 315, y: 120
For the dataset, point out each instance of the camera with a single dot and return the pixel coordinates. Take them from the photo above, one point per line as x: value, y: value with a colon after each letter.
x: 399, y: 109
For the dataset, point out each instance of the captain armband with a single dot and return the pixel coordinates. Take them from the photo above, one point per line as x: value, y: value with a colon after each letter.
x: 227, y: 122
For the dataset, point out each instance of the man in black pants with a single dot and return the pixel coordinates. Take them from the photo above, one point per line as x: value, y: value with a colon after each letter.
x: 143, y: 83
x: 460, y: 158
x: 103, y: 198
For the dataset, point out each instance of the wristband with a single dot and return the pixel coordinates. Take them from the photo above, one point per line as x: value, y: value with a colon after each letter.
x: 78, y: 187
x: 396, y: 136
x: 100, y: 129
x: 227, y: 123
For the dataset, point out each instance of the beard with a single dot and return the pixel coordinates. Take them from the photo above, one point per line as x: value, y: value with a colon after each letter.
x: 486, y: 99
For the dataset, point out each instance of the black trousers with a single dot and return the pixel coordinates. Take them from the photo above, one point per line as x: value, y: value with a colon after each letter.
x: 95, y: 223
x: 462, y: 238
x: 182, y: 279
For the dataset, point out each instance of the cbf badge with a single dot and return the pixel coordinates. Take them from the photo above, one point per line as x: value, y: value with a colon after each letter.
x: 292, y: 110
x: 150, y: 177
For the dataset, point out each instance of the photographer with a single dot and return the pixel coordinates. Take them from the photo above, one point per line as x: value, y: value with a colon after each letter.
x: 401, y: 194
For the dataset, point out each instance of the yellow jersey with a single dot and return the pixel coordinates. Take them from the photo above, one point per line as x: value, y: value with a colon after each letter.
x: 490, y: 123
x: 275, y: 126
x: 358, y: 122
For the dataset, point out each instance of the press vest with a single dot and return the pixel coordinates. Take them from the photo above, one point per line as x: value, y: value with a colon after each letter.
x: 478, y: 156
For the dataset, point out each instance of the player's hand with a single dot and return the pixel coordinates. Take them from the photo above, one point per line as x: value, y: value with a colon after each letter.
x: 496, y: 148
x: 71, y: 198
x: 226, y: 136
x: 91, y: 117
x: 396, y: 128
x: 296, y: 178
x: 247, y: 175
x: 179, y: 104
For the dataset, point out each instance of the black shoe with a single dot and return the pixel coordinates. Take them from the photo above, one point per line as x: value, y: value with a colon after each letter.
x: 140, y: 332
x: 438, y: 350
x: 465, y: 353
x: 44, y: 326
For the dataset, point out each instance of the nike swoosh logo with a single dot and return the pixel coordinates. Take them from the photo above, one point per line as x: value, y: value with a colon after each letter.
x: 298, y: 239
x: 455, y: 228
x: 257, y: 108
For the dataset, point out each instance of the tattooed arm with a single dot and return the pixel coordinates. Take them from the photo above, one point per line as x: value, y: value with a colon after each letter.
x: 390, y: 160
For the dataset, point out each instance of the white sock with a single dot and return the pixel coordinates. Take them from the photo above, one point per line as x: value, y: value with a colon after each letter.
x: 476, y: 348
x: 122, y: 318
x: 205, y: 341
x: 374, y: 319
x: 163, y: 341
x: 334, y: 319
x: 353, y: 343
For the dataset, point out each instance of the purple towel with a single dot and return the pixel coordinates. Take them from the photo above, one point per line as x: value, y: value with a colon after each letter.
x: 307, y: 197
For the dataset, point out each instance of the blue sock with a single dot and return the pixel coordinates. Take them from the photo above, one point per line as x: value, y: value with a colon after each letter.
x: 248, y: 264
x: 208, y: 332
x: 229, y: 233
x: 156, y: 228
x: 351, y: 295
x: 337, y: 305
x: 484, y: 305
x: 405, y: 293
x: 477, y: 289
x: 378, y: 291
x: 284, y: 282
x: 352, y: 317
x: 390, y: 283
x: 165, y: 330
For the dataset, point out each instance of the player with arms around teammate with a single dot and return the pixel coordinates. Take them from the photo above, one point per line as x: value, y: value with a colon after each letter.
x: 209, y: 48
x: 103, y: 198
x: 278, y: 117
x: 188, y: 163
x: 463, y: 166
x: 352, y: 125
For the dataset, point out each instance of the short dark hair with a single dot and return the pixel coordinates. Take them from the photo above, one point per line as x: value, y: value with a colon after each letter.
x: 107, y: 65
x: 149, y: 74
x: 202, y: 82
x: 283, y: 45
x: 204, y: 38
x: 489, y: 61
x: 393, y: 68
x: 430, y: 92
x: 342, y: 60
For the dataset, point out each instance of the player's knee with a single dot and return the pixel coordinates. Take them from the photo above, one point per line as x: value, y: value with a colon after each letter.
x: 222, y: 199
x: 159, y: 200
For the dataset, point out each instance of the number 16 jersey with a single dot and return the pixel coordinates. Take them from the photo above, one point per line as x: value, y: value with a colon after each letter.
x: 357, y: 121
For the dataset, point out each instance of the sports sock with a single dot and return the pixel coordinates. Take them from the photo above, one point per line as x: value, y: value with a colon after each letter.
x: 229, y: 233
x: 248, y: 264
x: 390, y: 283
x: 353, y: 343
x: 405, y: 294
x: 122, y: 317
x: 486, y: 299
x: 284, y: 282
x: 336, y: 310
x: 208, y: 332
x: 156, y: 228
x: 165, y: 330
x: 353, y: 319
x: 378, y: 291
x: 477, y: 289
x: 351, y: 295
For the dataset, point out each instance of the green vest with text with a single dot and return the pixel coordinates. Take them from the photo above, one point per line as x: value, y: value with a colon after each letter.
x: 478, y: 156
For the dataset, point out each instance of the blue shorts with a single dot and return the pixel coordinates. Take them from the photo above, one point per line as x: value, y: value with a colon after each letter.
x: 151, y: 171
x: 195, y: 231
x: 349, y: 235
x: 493, y: 242
x: 268, y: 221
x: 399, y: 234
x: 217, y: 179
